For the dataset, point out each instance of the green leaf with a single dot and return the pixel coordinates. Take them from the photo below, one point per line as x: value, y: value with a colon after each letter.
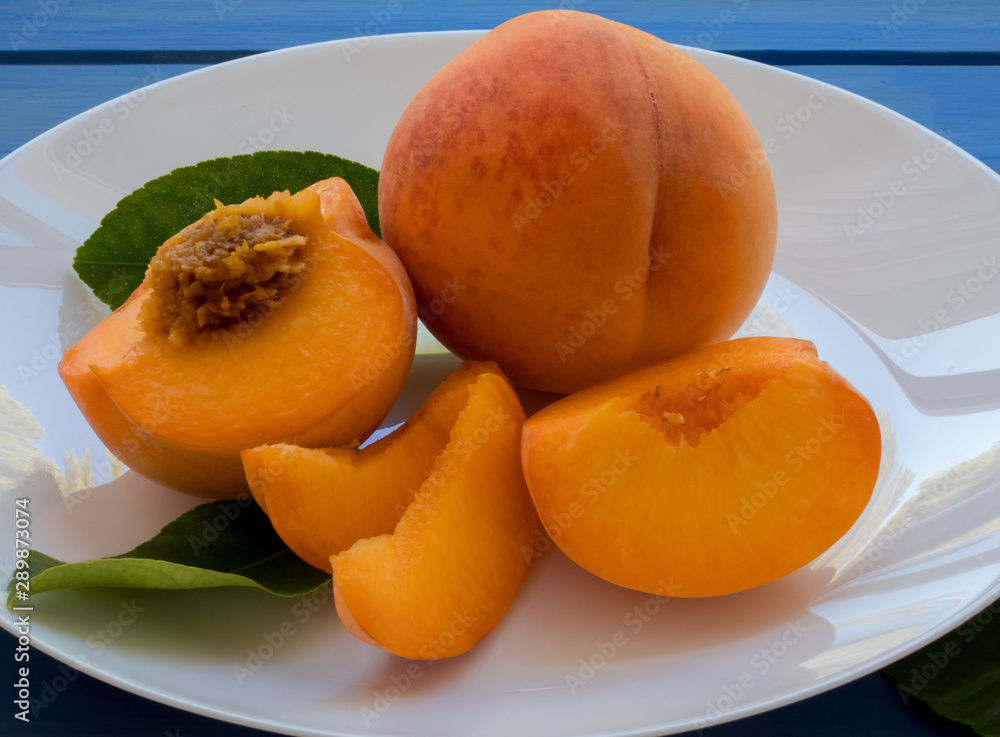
x: 958, y: 675
x: 113, y: 260
x: 214, y: 544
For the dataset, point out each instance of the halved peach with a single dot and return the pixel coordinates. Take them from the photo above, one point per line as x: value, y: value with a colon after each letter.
x: 311, y: 349
x: 179, y: 465
x: 449, y: 570
x: 711, y: 473
x: 323, y: 500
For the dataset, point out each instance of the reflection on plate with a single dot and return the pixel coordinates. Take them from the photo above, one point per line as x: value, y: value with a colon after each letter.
x: 888, y: 239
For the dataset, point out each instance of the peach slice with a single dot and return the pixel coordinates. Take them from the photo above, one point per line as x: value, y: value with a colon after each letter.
x: 446, y: 574
x: 323, y: 500
x: 711, y: 473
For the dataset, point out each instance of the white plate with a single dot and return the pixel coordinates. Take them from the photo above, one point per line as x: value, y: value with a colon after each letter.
x: 869, y: 280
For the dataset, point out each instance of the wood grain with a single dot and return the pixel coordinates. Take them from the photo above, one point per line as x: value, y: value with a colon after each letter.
x: 721, y: 25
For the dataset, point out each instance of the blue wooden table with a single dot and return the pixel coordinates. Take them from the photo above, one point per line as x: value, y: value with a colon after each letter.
x: 935, y: 61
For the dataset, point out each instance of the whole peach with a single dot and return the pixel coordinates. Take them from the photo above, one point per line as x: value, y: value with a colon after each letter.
x: 573, y: 197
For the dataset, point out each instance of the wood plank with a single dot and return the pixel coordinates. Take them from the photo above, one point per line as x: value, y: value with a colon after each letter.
x: 907, y: 25
x: 961, y: 103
